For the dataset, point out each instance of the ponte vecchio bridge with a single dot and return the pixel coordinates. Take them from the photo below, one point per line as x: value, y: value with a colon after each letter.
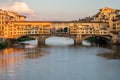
x: 106, y: 23
x: 75, y: 30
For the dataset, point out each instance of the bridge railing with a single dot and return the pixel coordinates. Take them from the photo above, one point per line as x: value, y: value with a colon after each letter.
x: 60, y: 34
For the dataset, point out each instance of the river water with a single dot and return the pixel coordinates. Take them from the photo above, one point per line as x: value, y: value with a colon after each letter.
x: 58, y: 63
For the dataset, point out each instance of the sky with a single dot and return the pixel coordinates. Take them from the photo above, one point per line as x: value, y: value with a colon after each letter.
x: 66, y: 10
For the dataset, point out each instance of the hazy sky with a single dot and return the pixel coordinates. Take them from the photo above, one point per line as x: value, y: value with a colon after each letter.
x: 58, y: 9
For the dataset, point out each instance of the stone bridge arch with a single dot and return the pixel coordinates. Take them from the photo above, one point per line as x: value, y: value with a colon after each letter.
x: 102, y: 36
x: 81, y: 37
x: 76, y: 37
x: 100, y: 39
x: 42, y: 37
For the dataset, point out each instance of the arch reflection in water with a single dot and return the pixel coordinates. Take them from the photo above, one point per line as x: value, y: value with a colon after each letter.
x: 30, y: 46
x: 32, y: 53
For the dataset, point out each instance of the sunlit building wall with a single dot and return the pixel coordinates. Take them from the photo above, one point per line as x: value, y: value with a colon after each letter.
x: 105, y: 14
x: 6, y: 19
x: 22, y: 28
x: 109, y: 15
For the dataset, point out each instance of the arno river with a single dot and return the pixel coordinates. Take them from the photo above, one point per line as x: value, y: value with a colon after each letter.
x: 60, y: 63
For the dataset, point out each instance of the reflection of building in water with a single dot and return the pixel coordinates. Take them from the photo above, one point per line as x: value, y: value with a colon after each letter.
x: 30, y: 46
x: 9, y: 58
x: 32, y: 53
x: 110, y: 55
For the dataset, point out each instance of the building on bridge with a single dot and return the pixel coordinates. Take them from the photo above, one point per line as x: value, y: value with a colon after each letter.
x: 106, y: 23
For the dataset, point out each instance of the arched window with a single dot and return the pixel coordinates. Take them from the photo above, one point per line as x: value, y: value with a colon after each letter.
x: 66, y: 29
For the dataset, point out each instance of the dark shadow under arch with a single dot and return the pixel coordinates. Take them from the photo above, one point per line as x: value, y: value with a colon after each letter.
x: 98, y: 39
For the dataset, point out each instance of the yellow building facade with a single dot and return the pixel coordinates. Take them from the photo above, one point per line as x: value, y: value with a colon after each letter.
x: 21, y: 28
x: 112, y: 16
x: 105, y: 14
x: 6, y: 19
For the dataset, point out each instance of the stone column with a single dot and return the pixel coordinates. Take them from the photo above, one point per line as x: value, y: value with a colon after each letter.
x: 78, y: 39
x: 115, y: 39
x: 41, y: 39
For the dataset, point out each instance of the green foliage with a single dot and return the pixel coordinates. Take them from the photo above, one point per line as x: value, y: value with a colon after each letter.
x: 96, y: 40
x: 92, y: 39
x: 24, y: 39
x: 3, y: 45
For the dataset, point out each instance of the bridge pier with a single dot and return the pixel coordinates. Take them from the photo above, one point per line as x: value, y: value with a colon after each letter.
x: 78, y: 39
x: 115, y: 39
x: 41, y: 39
